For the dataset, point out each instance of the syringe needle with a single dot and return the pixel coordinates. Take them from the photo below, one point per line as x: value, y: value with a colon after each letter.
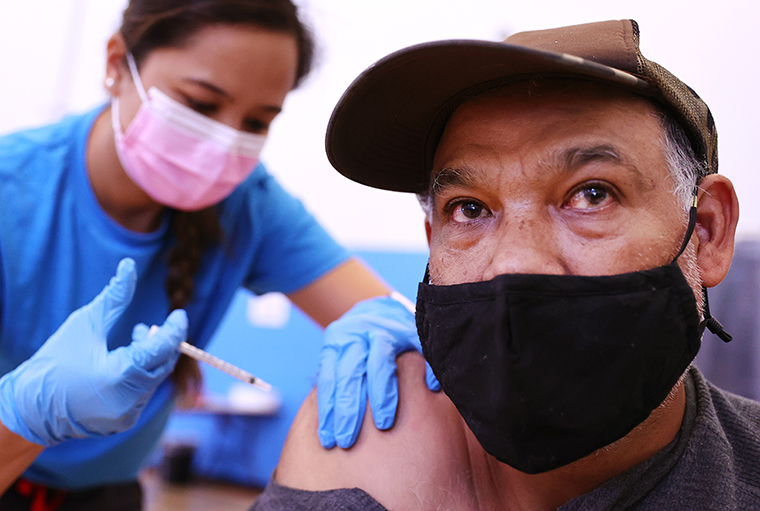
x: 203, y: 356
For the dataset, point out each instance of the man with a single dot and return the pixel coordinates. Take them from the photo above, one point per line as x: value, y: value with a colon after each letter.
x: 575, y: 219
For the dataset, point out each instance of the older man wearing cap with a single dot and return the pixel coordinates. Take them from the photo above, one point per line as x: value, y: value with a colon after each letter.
x: 575, y: 219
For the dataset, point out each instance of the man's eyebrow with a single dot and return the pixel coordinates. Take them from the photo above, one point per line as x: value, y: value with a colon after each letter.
x: 571, y: 159
x: 449, y: 177
x: 579, y: 156
x: 563, y: 161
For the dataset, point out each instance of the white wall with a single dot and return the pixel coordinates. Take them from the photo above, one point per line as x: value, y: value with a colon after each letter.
x: 51, y: 62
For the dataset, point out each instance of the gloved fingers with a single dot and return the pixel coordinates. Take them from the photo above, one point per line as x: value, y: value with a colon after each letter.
x: 349, y: 416
x: 159, y: 351
x: 430, y: 379
x: 174, y: 329
x: 328, y: 357
x: 108, y: 306
x: 139, y: 331
x: 382, y: 381
x: 120, y: 417
x: 135, y: 371
x: 350, y: 392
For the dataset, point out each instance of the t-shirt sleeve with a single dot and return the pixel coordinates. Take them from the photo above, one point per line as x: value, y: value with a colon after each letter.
x: 293, y: 249
x: 280, y: 498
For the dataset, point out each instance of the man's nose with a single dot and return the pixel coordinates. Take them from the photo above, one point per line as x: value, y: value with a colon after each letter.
x: 525, y: 245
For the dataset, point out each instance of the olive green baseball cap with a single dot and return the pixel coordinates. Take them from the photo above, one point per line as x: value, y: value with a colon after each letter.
x: 385, y: 128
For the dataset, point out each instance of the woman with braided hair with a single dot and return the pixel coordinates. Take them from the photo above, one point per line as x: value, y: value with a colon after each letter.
x: 168, y: 175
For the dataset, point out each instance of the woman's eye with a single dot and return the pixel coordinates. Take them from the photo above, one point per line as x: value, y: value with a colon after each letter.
x: 200, y: 106
x: 590, y: 196
x: 466, y: 211
x: 256, y: 126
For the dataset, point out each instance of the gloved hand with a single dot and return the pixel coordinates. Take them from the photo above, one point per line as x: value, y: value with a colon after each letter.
x: 358, y: 359
x: 73, y: 387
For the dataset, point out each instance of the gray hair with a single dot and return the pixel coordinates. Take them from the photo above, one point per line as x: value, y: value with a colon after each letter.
x: 683, y: 165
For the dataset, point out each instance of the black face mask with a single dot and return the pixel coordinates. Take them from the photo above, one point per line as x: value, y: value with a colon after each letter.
x: 546, y: 369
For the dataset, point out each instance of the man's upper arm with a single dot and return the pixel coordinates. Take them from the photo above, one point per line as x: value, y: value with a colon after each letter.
x: 392, y: 466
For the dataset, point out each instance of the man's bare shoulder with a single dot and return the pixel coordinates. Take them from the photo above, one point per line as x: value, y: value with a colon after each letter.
x: 422, y: 457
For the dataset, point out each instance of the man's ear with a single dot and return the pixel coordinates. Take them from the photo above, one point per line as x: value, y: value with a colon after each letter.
x: 717, y: 215
x: 116, y: 74
x: 427, y: 229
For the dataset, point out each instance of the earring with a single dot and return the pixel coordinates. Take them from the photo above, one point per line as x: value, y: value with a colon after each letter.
x: 109, y: 82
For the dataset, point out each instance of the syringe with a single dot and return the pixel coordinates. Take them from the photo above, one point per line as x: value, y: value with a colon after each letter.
x: 198, y: 354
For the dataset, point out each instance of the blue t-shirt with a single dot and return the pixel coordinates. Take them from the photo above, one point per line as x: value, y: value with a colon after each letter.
x: 58, y: 249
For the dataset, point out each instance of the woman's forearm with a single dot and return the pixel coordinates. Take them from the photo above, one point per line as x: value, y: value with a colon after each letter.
x: 16, y: 454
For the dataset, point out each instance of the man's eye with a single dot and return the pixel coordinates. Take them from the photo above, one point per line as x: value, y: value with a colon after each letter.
x: 594, y: 195
x: 590, y: 196
x: 466, y: 211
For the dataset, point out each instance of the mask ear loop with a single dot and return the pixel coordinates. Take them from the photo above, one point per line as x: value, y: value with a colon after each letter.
x: 690, y: 228
x: 712, y: 324
x: 136, y: 77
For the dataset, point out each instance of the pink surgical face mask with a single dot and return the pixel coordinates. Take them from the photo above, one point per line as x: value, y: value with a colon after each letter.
x: 179, y: 157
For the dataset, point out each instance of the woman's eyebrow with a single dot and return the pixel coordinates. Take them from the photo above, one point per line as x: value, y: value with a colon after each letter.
x: 208, y: 86
x: 221, y: 92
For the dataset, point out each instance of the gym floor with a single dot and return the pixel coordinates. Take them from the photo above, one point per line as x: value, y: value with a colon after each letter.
x: 198, y: 495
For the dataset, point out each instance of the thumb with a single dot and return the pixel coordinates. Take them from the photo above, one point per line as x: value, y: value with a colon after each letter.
x: 150, y: 351
x: 108, y: 306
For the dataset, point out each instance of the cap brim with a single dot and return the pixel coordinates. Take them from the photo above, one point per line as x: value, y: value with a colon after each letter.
x: 383, y: 129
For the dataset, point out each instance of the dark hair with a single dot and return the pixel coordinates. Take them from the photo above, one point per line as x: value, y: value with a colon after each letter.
x: 151, y: 24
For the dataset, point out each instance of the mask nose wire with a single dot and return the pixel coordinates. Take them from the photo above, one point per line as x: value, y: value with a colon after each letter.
x: 712, y: 324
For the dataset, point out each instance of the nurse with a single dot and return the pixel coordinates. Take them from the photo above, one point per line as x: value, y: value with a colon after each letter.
x: 168, y: 175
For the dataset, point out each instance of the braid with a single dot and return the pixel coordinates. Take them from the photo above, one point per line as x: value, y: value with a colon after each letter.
x: 194, y: 232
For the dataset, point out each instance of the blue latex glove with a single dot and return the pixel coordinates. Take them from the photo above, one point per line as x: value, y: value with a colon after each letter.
x: 358, y: 359
x: 73, y: 387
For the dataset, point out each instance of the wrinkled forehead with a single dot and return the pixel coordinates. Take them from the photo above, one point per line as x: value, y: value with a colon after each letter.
x: 546, y: 106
